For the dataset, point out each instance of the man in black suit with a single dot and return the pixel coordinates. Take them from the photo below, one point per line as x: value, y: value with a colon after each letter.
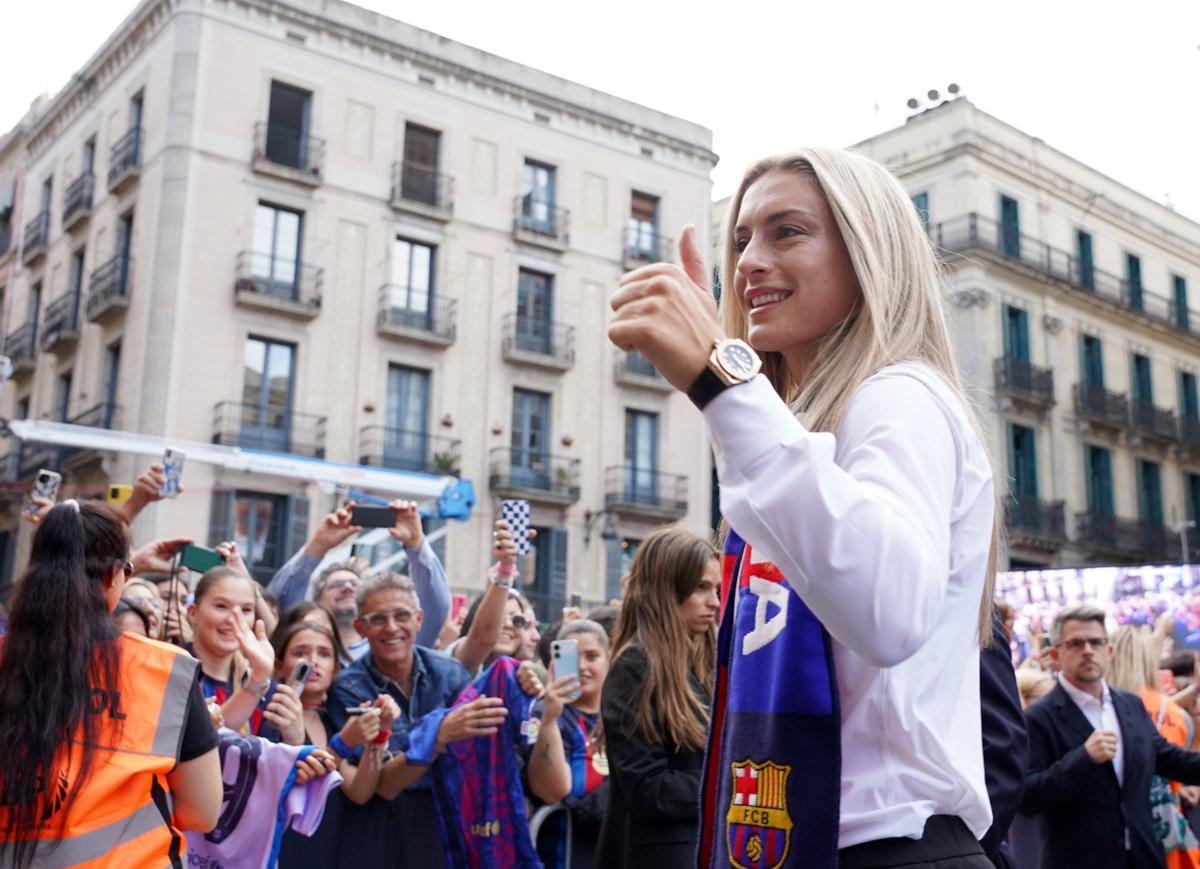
x: 1092, y: 753
x: 1005, y: 747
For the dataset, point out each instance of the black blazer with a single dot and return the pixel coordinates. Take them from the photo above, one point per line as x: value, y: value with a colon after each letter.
x: 1084, y: 812
x: 653, y: 789
x: 1005, y: 745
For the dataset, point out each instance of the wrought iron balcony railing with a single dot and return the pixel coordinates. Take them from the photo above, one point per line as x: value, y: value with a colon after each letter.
x: 542, y: 476
x: 1101, y: 405
x: 403, y: 450
x: 278, y: 430
x: 125, y: 158
x: 109, y: 287
x: 60, y: 326
x: 1157, y: 422
x: 534, y: 339
x: 644, y: 246
x: 36, y: 238
x: 1189, y: 431
x: 1043, y: 519
x: 21, y: 347
x: 975, y: 231
x: 260, y: 274
x: 289, y: 147
x: 422, y: 186
x: 433, y: 317
x: 538, y: 221
x: 1129, y: 538
x: 1021, y: 379
x: 77, y: 199
x: 634, y: 489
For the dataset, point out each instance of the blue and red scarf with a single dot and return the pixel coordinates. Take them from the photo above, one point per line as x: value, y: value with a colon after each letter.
x: 772, y: 778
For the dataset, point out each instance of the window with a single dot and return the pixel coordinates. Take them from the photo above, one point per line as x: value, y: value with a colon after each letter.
x: 535, y: 312
x: 124, y: 247
x: 135, y: 111
x: 406, y: 438
x: 275, y: 260
x: 411, y: 288
x: 643, y: 227
x: 47, y: 193
x: 1189, y: 405
x: 267, y: 395
x: 1086, y: 276
x: 23, y: 408
x: 641, y: 456
x: 418, y: 181
x: 1016, y: 333
x: 1022, y: 463
x: 287, y: 126
x: 35, y: 305
x: 8, y: 197
x: 549, y: 572
x: 260, y: 529
x: 1091, y: 363
x: 75, y: 275
x: 1143, y: 385
x: 88, y: 163
x: 1010, y: 227
x: 112, y: 373
x: 1098, y: 473
x: 531, y: 439
x: 1191, y: 491
x: 921, y: 203
x: 538, y: 197
x: 62, y: 397
x: 1179, y: 297
x: 1150, y: 508
x: 1133, y: 282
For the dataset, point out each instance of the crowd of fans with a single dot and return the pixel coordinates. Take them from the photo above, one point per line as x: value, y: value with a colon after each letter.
x: 336, y: 712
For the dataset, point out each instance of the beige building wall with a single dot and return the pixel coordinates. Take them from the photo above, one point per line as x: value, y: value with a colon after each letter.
x: 206, y: 72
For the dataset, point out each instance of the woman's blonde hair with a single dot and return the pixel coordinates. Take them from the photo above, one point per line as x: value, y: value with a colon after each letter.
x: 1132, y: 667
x: 900, y: 314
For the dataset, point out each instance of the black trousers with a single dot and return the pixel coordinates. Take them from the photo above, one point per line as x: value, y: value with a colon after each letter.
x: 946, y: 844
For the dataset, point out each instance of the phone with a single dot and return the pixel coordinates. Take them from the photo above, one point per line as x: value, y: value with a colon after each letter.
x: 200, y: 559
x: 45, y: 485
x: 173, y: 470
x: 118, y: 493
x: 366, y: 516
x: 458, y: 603
x: 516, y: 513
x: 565, y: 655
x: 299, y: 675
x: 358, y: 710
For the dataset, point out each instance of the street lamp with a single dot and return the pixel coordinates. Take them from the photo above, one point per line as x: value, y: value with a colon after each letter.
x: 608, y: 532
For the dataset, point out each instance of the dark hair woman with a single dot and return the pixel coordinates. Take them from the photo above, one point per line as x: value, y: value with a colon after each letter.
x: 655, y: 702
x: 100, y: 727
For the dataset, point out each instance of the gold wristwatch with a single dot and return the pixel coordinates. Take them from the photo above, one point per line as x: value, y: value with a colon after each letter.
x: 730, y: 363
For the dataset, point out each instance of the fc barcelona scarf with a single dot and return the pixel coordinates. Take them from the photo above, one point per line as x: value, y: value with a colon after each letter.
x: 772, y: 776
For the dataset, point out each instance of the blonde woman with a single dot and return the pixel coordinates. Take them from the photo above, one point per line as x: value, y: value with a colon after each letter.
x: 1133, y: 668
x: 859, y: 494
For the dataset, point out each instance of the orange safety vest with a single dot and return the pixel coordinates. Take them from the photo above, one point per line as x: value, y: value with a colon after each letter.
x: 121, y: 817
x: 1174, y: 729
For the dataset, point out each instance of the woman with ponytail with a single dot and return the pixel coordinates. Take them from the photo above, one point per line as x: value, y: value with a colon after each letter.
x: 654, y: 706
x: 109, y: 751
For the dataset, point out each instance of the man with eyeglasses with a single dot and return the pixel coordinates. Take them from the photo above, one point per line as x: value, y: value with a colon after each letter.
x: 401, y: 830
x: 1093, y: 750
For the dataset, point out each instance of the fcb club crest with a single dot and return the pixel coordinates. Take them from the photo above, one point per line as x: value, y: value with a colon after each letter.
x: 758, y: 828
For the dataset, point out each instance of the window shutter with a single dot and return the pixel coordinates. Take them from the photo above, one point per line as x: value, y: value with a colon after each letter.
x: 220, y: 516
x: 612, y: 569
x: 297, y: 527
x: 558, y: 569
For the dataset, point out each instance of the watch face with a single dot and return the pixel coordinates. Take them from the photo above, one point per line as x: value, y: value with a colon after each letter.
x: 737, y: 359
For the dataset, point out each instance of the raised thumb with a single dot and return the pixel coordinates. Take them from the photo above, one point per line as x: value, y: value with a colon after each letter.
x: 691, y: 259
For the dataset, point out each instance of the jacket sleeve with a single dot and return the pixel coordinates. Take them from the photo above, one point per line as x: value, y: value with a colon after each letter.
x: 290, y: 582
x: 1051, y: 782
x: 1177, y: 764
x: 433, y: 591
x: 652, y: 789
x: 1005, y: 742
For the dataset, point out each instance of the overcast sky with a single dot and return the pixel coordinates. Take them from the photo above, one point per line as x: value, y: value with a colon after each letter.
x: 1118, y: 90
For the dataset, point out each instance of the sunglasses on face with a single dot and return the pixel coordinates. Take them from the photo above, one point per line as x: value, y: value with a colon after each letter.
x: 378, y: 621
x: 1077, y: 644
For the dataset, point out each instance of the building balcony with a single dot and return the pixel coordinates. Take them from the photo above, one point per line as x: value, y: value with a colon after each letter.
x: 416, y: 451
x: 543, y: 224
x: 275, y: 430
x: 644, y: 493
x: 1023, y: 383
x: 1037, y: 524
x: 1101, y: 407
x: 429, y: 321
x: 421, y: 191
x: 536, y: 342
x: 1118, y: 538
x: 60, y: 326
x: 1189, y: 433
x: 288, y: 153
x: 521, y: 473
x: 109, y: 289
x: 33, y: 456
x: 642, y: 248
x: 974, y: 232
x: 36, y: 238
x: 633, y: 369
x: 21, y: 347
x: 106, y: 416
x: 77, y: 201
x: 125, y: 160
x: 280, y: 285
x: 1152, y: 423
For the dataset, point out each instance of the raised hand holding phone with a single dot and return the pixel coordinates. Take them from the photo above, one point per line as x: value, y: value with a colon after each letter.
x: 172, y: 471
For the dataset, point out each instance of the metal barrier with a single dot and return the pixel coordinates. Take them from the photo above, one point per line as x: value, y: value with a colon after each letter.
x: 539, y: 818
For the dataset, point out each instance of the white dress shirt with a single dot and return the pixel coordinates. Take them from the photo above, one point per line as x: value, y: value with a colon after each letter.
x: 1102, y: 716
x: 883, y: 531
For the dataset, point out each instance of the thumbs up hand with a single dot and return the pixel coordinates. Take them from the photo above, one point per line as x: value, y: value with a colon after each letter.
x: 667, y: 313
